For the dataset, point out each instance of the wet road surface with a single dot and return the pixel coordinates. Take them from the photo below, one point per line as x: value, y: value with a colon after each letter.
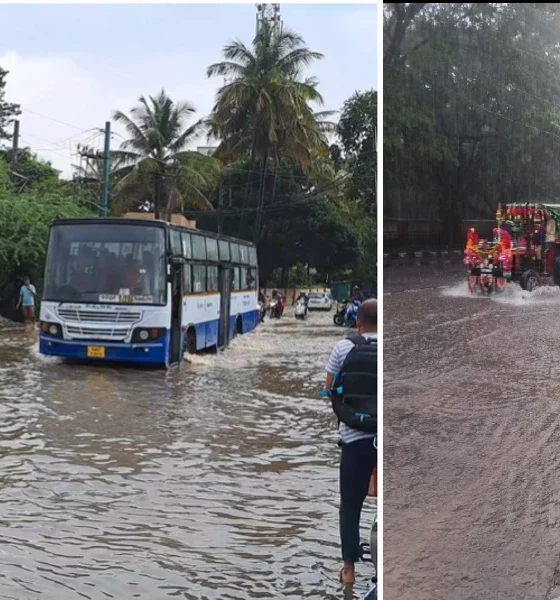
x: 471, y: 440
x: 216, y: 482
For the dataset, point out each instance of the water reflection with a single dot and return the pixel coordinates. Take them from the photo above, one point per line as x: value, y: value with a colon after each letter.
x: 218, y: 481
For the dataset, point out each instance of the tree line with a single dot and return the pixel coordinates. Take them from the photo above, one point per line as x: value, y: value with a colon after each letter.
x: 283, y: 174
x: 471, y: 108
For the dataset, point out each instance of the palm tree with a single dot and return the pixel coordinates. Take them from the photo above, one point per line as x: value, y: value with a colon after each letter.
x: 264, y: 111
x: 157, y: 152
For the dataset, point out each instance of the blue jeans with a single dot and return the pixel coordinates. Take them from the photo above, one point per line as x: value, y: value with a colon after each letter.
x: 357, y: 462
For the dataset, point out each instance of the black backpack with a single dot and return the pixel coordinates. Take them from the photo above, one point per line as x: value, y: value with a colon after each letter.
x: 354, y: 393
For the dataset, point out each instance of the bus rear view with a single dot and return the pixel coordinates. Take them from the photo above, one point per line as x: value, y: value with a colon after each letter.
x: 105, y: 293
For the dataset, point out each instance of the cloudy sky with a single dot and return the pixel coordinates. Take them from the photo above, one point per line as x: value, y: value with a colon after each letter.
x: 72, y: 65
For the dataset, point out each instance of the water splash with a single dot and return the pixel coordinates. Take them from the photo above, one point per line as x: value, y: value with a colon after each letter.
x: 513, y: 295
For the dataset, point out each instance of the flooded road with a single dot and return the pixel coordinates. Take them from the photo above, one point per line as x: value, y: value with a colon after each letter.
x: 218, y: 481
x: 471, y: 440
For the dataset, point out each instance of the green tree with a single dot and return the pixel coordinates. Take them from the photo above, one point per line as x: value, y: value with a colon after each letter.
x: 8, y: 110
x: 157, y: 151
x: 27, y: 172
x: 470, y: 109
x: 266, y: 112
x: 357, y: 132
x: 25, y: 219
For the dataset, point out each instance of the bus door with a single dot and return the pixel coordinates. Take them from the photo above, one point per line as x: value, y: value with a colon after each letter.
x: 225, y: 285
x: 175, y: 350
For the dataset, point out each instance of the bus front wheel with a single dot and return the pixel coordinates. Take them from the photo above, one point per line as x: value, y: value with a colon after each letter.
x: 239, y: 326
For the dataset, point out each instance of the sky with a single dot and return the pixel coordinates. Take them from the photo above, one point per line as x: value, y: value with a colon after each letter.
x: 71, y: 66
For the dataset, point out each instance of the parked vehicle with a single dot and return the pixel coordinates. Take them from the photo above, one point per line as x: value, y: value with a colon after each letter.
x: 320, y: 301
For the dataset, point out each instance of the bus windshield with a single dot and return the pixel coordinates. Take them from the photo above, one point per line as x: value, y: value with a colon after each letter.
x: 102, y: 263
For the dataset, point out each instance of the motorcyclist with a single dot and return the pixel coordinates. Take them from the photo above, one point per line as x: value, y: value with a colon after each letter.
x: 357, y: 299
x: 276, y: 295
x: 357, y: 295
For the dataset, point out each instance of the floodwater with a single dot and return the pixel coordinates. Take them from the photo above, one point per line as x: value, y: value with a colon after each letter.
x: 471, y: 440
x: 218, y: 481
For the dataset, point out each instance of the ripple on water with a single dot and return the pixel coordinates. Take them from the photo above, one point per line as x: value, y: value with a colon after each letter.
x: 217, y: 481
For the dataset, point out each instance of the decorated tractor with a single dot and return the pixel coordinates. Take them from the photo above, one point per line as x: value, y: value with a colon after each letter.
x: 525, y: 248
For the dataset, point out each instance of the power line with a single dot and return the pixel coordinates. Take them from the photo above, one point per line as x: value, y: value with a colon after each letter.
x: 52, y: 119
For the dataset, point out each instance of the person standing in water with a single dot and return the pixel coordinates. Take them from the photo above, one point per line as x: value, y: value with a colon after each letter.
x: 27, y: 295
x: 353, y: 366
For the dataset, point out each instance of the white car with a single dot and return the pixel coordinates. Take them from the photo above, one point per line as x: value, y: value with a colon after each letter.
x: 320, y: 301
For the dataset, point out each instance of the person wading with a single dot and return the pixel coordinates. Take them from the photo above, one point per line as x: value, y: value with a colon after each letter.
x: 352, y: 381
x: 27, y: 296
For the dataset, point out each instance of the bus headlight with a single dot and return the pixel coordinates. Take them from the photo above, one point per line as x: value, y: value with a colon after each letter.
x: 52, y: 329
x: 147, y: 334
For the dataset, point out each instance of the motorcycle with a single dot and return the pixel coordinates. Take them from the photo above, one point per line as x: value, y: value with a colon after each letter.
x: 276, y: 309
x: 301, y: 310
x: 340, y: 314
x: 347, y: 314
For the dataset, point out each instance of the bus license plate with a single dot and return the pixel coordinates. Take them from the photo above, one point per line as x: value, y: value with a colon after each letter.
x: 486, y: 270
x: 96, y: 352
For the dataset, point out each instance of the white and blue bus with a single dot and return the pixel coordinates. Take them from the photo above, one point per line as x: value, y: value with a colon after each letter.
x: 143, y: 291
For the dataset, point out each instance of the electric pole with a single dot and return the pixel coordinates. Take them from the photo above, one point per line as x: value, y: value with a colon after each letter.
x: 89, y: 153
x: 15, y: 140
x: 106, y: 169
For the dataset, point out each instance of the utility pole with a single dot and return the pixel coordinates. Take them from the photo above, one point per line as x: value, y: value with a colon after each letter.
x: 220, y: 208
x: 15, y: 140
x: 89, y: 153
x: 106, y: 169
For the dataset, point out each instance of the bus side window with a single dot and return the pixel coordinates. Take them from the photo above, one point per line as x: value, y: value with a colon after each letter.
x: 236, y: 279
x: 176, y: 245
x: 243, y: 278
x: 211, y: 249
x: 234, y: 253
x: 212, y: 279
x: 253, y: 256
x: 252, y: 279
x: 199, y: 278
x: 244, y: 252
x: 198, y: 247
x: 224, y: 250
x: 187, y: 279
x: 186, y: 240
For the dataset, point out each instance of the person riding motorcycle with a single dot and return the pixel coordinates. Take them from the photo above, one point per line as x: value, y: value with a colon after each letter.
x: 277, y: 296
x: 357, y: 299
